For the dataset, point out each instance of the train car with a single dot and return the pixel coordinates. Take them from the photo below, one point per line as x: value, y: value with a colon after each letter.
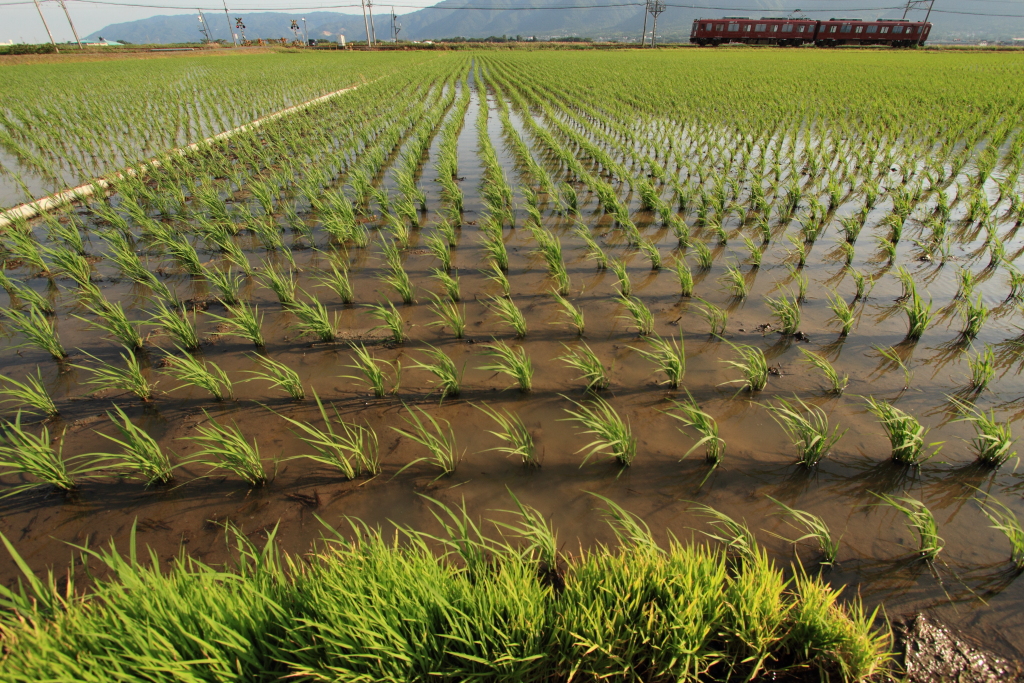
x: 894, y: 33
x: 795, y: 32
x: 763, y: 31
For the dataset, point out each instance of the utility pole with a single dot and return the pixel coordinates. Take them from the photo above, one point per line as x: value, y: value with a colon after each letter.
x: 40, y: 9
x: 657, y: 7
x: 234, y: 40
x: 643, y: 36
x: 366, y: 24
x: 305, y: 32
x: 920, y: 40
x: 241, y: 27
x: 73, y: 29
x: 394, y: 26
x: 373, y: 31
x: 204, y: 27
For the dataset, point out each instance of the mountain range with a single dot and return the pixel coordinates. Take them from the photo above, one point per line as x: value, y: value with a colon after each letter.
x: 483, y: 18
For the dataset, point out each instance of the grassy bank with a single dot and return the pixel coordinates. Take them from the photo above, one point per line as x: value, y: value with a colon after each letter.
x: 376, y: 609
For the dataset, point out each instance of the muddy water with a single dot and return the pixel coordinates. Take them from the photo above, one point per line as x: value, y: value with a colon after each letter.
x: 971, y: 586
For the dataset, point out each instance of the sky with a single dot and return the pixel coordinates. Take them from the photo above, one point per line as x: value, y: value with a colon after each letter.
x: 21, y: 23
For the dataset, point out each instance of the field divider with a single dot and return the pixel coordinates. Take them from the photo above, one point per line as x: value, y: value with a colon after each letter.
x: 34, y: 208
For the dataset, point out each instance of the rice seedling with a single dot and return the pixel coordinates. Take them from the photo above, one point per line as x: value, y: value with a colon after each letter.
x: 426, y: 430
x: 611, y: 434
x: 623, y: 283
x: 498, y: 277
x: 650, y: 250
x: 808, y: 428
x: 244, y: 321
x: 448, y: 231
x: 338, y: 282
x: 200, y: 373
x: 890, y: 354
x: 639, y: 314
x: 348, y: 447
x: 669, y: 355
x: 966, y: 280
x: 705, y: 425
x: 184, y: 254
x: 509, y: 314
x: 816, y: 529
x: 515, y: 363
x: 574, y: 314
x: 906, y: 435
x: 39, y: 303
x: 705, y: 259
x: 226, y: 448
x: 921, y: 521
x: 179, y: 326
x: 517, y: 439
x: 715, y: 317
x: 28, y: 454
x: 585, y: 361
x: 398, y: 228
x: 72, y: 264
x: 449, y: 284
x: 1003, y: 519
x: 441, y: 250
x: 279, y: 375
x: 974, y: 314
x: 140, y: 454
x: 754, y: 252
x: 372, y: 369
x: 398, y: 278
x: 735, y: 281
x: 31, y: 393
x: 799, y: 250
x: 993, y: 440
x: 837, y: 382
x: 449, y: 377
x: 842, y: 313
x: 37, y: 330
x: 752, y: 364
x: 594, y: 250
x: 850, y: 227
x: 735, y: 536
x: 919, y: 315
x: 314, y: 320
x: 391, y: 318
x: 685, y: 277
x: 495, y: 250
x: 862, y: 282
x: 800, y: 279
x: 283, y: 285
x: 228, y: 283
x: 128, y: 378
x: 113, y: 320
x: 982, y: 366
x: 449, y: 314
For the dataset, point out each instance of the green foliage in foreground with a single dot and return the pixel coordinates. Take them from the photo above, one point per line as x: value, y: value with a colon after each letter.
x: 374, y: 610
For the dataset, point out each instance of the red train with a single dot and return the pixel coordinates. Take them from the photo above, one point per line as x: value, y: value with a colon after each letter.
x: 774, y: 31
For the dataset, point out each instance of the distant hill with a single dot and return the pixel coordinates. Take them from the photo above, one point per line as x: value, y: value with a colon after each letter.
x: 610, y: 23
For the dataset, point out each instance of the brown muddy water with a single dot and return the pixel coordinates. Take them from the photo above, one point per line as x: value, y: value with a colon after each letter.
x: 971, y: 585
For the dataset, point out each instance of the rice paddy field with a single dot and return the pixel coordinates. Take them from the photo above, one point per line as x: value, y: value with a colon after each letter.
x: 759, y: 300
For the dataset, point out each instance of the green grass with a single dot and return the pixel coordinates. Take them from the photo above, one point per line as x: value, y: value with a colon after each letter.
x: 685, y: 277
x: 392, y: 320
x: 38, y: 331
x: 31, y: 394
x: 226, y: 448
x: 752, y: 364
x: 650, y: 250
x: 449, y: 376
x: 573, y: 313
x: 498, y: 277
x: 842, y: 313
x: 195, y: 372
x: 787, y: 311
x: 509, y: 314
x: 611, y: 434
x: 449, y: 314
x: 1003, y: 519
x: 129, y: 378
x: 227, y: 282
x: 338, y: 281
x: 716, y: 317
x: 180, y: 327
x: 585, y: 361
x: 983, y: 368
x: 26, y: 453
x: 906, y: 435
x: 807, y: 427
x: 244, y: 321
x: 919, y: 315
x: 735, y: 536
x: 837, y: 382
x: 283, y: 285
x: 449, y: 284
x: 993, y: 438
x: 641, y: 316
x: 974, y: 314
x: 735, y: 282
x: 439, y: 441
x: 372, y: 370
x: 705, y: 425
x: 921, y: 521
x: 816, y: 529
x: 623, y: 283
x: 517, y: 439
x: 515, y: 363
x: 279, y: 375
x: 314, y: 320
x: 114, y: 321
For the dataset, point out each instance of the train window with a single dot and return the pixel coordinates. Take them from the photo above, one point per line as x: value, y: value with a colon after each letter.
x: 858, y: 29
x: 775, y: 28
x: 734, y: 27
x: 787, y: 28
x: 885, y: 29
x: 799, y: 29
x: 720, y: 27
x: 707, y: 27
x: 747, y: 27
x: 872, y: 29
x: 832, y: 29
x: 845, y: 28
x: 897, y: 29
x: 760, y: 27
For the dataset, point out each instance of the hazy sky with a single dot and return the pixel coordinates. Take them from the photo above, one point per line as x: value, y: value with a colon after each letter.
x: 21, y: 23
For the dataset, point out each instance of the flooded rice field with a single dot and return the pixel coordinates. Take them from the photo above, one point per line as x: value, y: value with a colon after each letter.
x: 840, y: 228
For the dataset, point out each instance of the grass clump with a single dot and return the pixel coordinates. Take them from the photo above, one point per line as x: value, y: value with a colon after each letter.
x: 612, y: 435
x: 195, y: 372
x: 245, y: 322
x: 837, y: 382
x: 993, y: 439
x: 449, y: 376
x: 515, y: 363
x: 573, y: 313
x: 373, y: 373
x: 921, y: 521
x: 226, y: 448
x: 426, y: 430
x: 705, y: 425
x: 279, y: 375
x: 38, y: 331
x: 29, y: 394
x: 787, y: 312
x: 752, y: 364
x: 128, y: 378
x: 816, y: 529
x: 28, y: 454
x: 350, y: 448
x: 141, y: 456
x: 585, y: 361
x: 639, y: 314
x: 391, y: 319
x: 509, y: 313
x: 669, y: 355
x: 906, y: 434
x: 1003, y: 519
x: 518, y: 441
x: 449, y: 314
